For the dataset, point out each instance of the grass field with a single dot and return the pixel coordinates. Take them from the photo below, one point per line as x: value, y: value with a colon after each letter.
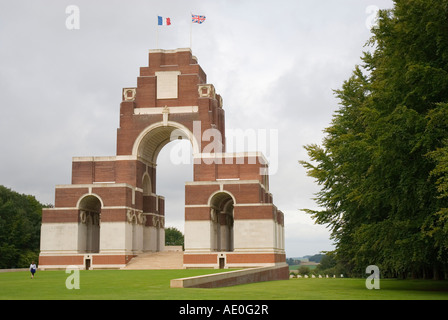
x: 154, y: 285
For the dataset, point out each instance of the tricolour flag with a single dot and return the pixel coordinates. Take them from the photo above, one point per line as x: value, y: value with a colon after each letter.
x: 163, y: 21
x: 197, y: 19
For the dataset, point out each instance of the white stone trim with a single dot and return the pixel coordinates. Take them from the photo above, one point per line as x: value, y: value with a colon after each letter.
x: 170, y: 110
x: 103, y: 158
x: 95, y: 185
x: 197, y: 206
x: 169, y: 50
x: 235, y: 205
x: 51, y: 253
x: 253, y: 204
x: 218, y: 182
x: 102, y: 208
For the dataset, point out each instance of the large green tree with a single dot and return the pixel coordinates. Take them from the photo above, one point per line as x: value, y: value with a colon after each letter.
x: 383, y: 164
x: 173, y: 237
x: 20, y: 221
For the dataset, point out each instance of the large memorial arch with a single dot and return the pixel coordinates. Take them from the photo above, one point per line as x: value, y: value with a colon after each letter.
x: 111, y: 211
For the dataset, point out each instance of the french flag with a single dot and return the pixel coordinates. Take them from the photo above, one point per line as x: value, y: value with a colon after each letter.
x: 163, y: 21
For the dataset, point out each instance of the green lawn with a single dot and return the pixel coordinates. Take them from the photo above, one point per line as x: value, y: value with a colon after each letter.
x: 154, y: 284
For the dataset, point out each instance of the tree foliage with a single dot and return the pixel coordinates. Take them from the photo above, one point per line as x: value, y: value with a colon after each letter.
x: 383, y: 164
x: 20, y: 221
x: 173, y: 237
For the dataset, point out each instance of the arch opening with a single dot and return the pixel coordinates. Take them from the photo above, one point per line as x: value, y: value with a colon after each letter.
x: 165, y: 169
x: 222, y: 217
x: 89, y: 208
x: 146, y: 183
x: 151, y: 141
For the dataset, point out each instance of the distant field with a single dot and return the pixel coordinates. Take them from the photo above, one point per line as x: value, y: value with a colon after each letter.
x: 154, y: 285
x: 297, y: 266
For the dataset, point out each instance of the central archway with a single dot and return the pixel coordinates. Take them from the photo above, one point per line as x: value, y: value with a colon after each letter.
x: 174, y: 169
x: 151, y: 140
x: 147, y: 148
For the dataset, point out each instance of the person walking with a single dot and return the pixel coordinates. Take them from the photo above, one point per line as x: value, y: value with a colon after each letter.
x: 32, y: 269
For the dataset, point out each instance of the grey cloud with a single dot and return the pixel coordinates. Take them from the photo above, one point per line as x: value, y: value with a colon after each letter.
x: 274, y: 64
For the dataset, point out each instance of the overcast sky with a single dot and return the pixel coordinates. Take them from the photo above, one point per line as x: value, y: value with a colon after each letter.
x: 275, y: 63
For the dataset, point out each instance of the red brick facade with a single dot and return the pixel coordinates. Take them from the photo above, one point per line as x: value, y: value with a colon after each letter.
x: 172, y: 98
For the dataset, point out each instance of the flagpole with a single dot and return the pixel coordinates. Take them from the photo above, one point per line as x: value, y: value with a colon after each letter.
x: 157, y: 33
x: 191, y: 28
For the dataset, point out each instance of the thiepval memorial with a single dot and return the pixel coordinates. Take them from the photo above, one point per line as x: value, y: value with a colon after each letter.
x: 111, y: 212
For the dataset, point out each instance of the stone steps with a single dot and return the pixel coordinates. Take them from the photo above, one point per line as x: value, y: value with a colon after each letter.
x: 157, y: 260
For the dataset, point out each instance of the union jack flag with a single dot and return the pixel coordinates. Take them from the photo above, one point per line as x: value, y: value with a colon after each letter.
x: 197, y: 19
